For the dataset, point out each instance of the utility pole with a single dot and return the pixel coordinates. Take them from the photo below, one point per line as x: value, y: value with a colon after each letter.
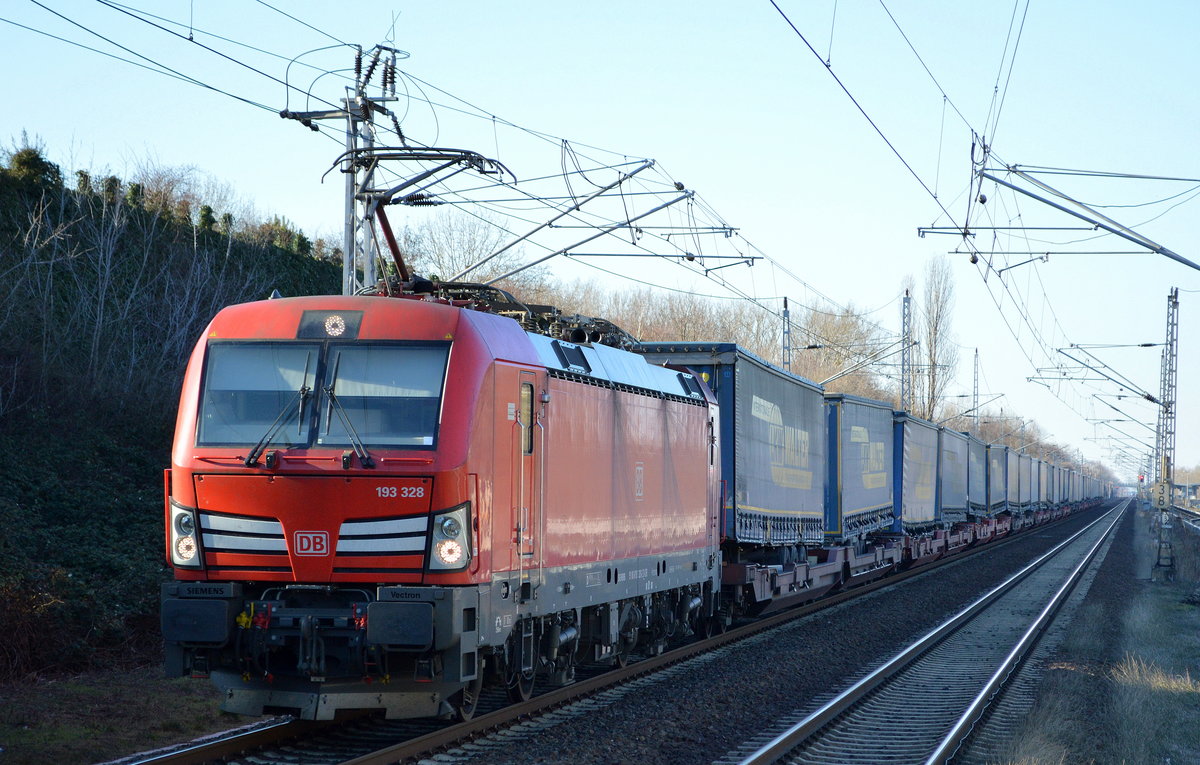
x: 365, y: 200
x: 906, y: 392
x: 975, y: 399
x: 359, y: 248
x: 787, y: 337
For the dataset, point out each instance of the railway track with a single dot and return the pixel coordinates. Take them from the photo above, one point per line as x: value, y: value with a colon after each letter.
x: 368, y: 740
x: 922, y: 705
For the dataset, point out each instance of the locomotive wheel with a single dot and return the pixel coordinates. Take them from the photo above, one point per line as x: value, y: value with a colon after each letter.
x: 520, y: 686
x: 719, y: 621
x: 627, y: 637
x: 467, y: 699
x: 624, y: 648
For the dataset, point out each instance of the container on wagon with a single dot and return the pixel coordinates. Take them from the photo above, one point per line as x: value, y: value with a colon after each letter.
x: 954, y: 468
x: 860, y: 486
x: 773, y: 449
x: 915, y: 474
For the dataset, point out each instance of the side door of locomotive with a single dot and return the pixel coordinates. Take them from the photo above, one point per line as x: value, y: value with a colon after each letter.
x: 519, y: 464
x: 528, y: 441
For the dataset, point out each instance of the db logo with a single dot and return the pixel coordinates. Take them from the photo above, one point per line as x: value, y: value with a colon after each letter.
x: 311, y: 543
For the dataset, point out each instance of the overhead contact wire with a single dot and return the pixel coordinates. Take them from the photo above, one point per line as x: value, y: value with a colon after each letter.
x: 866, y: 116
x: 161, y: 68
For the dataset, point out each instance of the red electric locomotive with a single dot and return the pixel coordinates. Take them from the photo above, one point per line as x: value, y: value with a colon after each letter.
x: 380, y: 502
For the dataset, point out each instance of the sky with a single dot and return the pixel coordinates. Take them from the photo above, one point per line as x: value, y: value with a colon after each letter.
x: 827, y: 133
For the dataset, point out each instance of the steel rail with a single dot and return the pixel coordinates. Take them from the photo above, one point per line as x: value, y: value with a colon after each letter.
x: 451, y: 735
x: 440, y: 740
x: 966, y: 722
x: 790, y: 739
x: 228, y: 746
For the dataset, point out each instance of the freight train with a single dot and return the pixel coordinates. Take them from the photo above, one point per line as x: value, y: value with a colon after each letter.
x: 389, y: 501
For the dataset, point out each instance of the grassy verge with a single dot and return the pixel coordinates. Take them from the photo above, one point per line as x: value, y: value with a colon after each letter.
x: 1155, y: 700
x: 104, y: 715
x: 1122, y: 688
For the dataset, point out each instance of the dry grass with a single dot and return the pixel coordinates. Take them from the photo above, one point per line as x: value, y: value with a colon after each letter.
x: 1122, y: 687
x: 1048, y: 742
x: 104, y: 715
x: 1155, y: 701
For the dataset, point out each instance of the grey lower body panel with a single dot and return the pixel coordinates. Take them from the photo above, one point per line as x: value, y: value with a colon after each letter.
x: 322, y: 701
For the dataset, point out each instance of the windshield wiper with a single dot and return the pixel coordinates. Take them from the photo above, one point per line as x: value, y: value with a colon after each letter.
x: 360, y: 449
x: 302, y: 394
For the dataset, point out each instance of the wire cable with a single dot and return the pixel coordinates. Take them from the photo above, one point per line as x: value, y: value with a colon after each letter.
x: 1011, y: 64
x: 304, y: 23
x: 866, y: 116
x: 158, y: 67
x: 210, y: 49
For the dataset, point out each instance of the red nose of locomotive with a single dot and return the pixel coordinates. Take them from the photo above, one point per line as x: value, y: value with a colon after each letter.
x: 309, y: 436
x: 315, y: 528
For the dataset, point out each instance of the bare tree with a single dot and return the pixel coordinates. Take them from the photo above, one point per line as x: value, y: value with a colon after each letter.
x: 831, y: 340
x: 103, y: 295
x: 939, y: 353
x: 453, y: 241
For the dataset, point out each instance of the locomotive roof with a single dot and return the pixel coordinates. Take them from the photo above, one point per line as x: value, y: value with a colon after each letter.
x: 612, y: 365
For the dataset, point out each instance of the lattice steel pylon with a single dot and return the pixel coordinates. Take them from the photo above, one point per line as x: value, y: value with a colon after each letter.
x: 975, y: 395
x: 787, y: 337
x: 906, y: 382
x: 1164, y: 440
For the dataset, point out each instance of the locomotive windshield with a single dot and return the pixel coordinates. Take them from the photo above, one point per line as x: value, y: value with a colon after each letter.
x: 298, y: 394
x: 248, y: 385
x: 391, y: 394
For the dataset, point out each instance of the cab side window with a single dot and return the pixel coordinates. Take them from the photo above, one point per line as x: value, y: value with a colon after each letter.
x: 526, y: 418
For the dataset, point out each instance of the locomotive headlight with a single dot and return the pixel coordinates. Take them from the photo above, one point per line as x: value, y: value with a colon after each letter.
x: 185, y: 524
x: 448, y: 552
x: 185, y: 548
x: 451, y: 526
x: 450, y: 540
x: 183, y: 542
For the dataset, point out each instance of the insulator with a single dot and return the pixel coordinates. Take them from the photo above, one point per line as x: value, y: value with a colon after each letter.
x: 371, y: 68
x: 399, y: 132
x: 358, y: 65
x: 393, y: 81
